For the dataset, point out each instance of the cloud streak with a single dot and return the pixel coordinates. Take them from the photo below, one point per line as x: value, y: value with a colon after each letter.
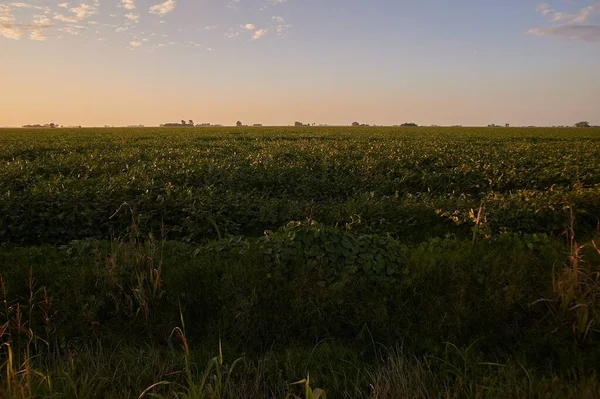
x: 573, y: 26
x: 586, y: 33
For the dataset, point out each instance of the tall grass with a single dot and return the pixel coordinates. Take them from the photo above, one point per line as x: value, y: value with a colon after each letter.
x: 213, y: 383
x: 576, y: 288
x: 133, y: 285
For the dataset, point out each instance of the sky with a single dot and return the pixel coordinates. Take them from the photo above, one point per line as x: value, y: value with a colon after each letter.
x: 385, y: 62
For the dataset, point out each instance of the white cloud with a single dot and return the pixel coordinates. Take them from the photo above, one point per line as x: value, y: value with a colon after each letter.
x: 544, y: 9
x: 585, y: 14
x: 11, y: 29
x: 4, y: 11
x: 8, y: 28
x: 10, y: 33
x: 42, y: 21
x: 280, y: 25
x: 64, y: 18
x: 586, y: 33
x: 163, y: 8
x: 82, y: 11
x: 73, y: 16
x: 574, y: 26
x: 73, y: 30
x: 232, y: 33
x: 128, y: 4
x: 135, y: 43
x: 7, y: 25
x: 38, y: 35
x: 259, y: 33
x: 582, y: 16
x: 25, y: 5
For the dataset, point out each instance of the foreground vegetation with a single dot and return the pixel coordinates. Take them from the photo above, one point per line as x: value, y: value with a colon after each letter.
x: 425, y: 263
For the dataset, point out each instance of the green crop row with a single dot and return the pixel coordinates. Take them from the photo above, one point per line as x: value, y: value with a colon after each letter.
x: 56, y: 186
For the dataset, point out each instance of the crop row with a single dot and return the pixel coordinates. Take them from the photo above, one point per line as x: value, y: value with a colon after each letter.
x: 63, y: 185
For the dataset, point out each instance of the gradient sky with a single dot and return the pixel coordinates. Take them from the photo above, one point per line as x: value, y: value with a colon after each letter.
x: 469, y: 62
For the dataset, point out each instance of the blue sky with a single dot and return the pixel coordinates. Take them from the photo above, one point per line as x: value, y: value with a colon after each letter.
x: 119, y: 62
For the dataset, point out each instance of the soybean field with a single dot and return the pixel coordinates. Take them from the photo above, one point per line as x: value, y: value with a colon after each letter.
x: 202, y: 183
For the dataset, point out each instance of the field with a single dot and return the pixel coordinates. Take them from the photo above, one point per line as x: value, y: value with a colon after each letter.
x: 384, y: 262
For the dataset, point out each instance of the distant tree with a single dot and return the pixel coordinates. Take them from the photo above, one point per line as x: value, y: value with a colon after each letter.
x: 582, y: 124
x: 191, y: 122
x: 298, y: 124
x: 52, y: 125
x: 238, y: 123
x: 183, y: 122
x: 355, y: 124
x: 409, y: 124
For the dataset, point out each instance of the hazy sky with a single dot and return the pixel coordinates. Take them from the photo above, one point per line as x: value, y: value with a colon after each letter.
x: 470, y: 62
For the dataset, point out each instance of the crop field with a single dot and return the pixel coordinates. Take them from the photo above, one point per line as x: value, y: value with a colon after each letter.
x: 61, y: 185
x: 384, y: 262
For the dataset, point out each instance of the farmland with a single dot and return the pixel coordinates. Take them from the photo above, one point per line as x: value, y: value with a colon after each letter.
x: 385, y: 262
x: 62, y: 185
